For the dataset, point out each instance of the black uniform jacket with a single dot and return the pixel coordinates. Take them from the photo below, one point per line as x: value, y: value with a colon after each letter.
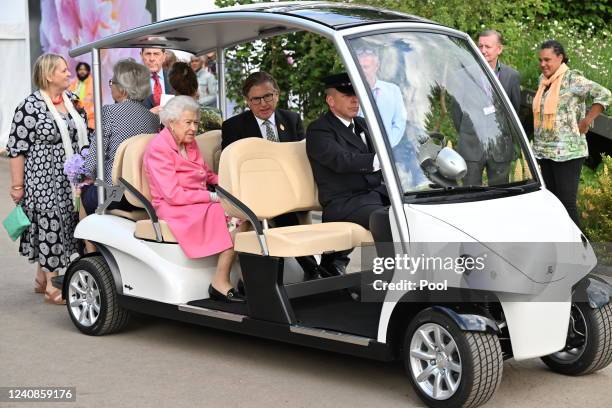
x: 342, y: 166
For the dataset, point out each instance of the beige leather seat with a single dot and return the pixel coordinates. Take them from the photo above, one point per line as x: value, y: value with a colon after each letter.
x: 128, y: 164
x: 209, y: 144
x: 276, y: 178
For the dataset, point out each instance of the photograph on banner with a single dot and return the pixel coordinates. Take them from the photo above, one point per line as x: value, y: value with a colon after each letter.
x: 78, y: 23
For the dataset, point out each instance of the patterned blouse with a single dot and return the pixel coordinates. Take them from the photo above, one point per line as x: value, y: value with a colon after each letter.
x: 120, y: 121
x: 564, y: 142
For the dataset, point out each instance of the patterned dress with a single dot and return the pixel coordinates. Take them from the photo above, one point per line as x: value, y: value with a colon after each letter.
x: 47, y: 199
x: 564, y: 142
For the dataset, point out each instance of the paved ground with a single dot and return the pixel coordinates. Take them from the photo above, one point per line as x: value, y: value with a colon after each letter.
x: 163, y: 363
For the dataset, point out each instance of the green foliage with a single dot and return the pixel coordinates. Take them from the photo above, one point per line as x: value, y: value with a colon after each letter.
x: 595, y: 202
x: 583, y: 26
x: 210, y: 119
x: 298, y: 62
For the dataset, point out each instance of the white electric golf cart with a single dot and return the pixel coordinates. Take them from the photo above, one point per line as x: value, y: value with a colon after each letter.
x: 517, y: 285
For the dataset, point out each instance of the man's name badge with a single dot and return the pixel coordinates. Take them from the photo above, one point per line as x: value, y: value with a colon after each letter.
x: 488, y: 110
x: 281, y: 127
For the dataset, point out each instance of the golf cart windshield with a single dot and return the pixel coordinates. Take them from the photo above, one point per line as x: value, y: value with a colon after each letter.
x: 445, y: 122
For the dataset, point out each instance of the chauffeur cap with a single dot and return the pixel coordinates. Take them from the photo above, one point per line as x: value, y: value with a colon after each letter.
x: 341, y: 82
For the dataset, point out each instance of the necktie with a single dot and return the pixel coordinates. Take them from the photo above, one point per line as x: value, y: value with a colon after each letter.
x: 270, y: 135
x: 376, y: 92
x: 351, y: 127
x: 157, y: 90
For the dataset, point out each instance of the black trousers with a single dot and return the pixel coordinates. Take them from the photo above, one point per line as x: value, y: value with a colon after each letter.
x: 497, y: 173
x: 89, y: 198
x: 562, y: 179
x: 360, y: 216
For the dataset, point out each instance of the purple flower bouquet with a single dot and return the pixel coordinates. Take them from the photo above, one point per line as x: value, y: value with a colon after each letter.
x: 74, y: 168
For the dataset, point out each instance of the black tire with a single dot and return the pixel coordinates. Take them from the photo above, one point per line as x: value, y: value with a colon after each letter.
x: 111, y: 317
x: 595, y: 352
x: 480, y: 357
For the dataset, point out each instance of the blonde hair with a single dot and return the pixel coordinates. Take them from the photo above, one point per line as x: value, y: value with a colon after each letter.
x: 43, y: 67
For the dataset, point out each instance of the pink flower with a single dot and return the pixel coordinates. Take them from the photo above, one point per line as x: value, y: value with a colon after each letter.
x: 66, y: 24
x: 290, y: 60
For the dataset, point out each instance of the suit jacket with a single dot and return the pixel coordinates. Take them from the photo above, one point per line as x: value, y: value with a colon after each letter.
x: 149, y: 103
x: 289, y: 127
x: 342, y: 166
x: 482, y: 135
x: 511, y: 82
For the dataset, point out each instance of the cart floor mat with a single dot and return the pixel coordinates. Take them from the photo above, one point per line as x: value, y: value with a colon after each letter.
x: 337, y: 311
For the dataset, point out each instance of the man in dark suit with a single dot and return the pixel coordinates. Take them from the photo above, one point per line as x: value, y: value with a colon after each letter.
x: 483, y: 141
x: 264, y: 119
x: 344, y: 164
x: 490, y: 43
x: 153, y: 58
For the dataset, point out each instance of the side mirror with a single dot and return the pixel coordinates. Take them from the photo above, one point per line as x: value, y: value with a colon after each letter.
x: 450, y: 164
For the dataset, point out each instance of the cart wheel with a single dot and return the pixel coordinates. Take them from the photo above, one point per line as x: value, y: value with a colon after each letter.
x: 449, y: 367
x: 92, y: 298
x: 589, y: 342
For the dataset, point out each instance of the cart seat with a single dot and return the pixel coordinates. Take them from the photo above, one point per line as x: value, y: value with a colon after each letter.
x: 128, y: 164
x: 273, y: 179
x: 303, y: 240
x: 209, y: 144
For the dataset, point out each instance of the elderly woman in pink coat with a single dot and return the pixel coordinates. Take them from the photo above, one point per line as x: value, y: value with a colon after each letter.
x: 179, y: 180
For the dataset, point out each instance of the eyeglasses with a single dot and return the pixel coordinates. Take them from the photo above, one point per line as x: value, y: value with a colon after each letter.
x: 256, y: 100
x: 365, y: 51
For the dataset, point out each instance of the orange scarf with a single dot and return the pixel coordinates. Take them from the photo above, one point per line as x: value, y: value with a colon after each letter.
x: 552, y: 100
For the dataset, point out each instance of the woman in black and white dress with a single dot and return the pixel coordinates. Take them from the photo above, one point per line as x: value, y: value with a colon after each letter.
x: 49, y: 126
x: 127, y: 117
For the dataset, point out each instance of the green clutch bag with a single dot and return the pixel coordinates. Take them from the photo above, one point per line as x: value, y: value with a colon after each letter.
x: 16, y: 222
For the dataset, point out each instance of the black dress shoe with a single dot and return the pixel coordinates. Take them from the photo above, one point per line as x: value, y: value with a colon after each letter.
x: 330, y: 270
x: 240, y: 288
x: 312, y: 273
x: 232, y: 295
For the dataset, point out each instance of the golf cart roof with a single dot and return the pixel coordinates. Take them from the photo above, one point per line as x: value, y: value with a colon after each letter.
x: 226, y: 27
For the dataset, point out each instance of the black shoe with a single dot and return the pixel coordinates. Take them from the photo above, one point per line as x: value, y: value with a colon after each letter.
x: 240, y: 288
x: 330, y: 270
x: 313, y: 273
x: 232, y: 295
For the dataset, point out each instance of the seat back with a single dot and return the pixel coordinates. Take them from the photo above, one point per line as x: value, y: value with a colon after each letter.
x: 270, y: 178
x: 128, y: 164
x: 209, y: 144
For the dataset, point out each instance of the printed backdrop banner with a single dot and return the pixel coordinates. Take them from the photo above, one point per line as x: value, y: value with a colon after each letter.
x: 57, y: 26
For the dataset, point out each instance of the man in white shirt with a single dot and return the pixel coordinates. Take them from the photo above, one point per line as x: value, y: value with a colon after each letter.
x: 153, y: 58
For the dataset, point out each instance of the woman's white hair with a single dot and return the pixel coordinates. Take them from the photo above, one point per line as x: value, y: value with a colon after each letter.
x: 175, y: 107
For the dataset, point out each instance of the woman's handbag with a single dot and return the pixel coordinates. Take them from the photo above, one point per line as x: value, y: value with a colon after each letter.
x: 16, y: 222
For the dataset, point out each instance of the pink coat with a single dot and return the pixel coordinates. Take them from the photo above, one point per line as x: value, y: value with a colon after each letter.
x: 180, y: 197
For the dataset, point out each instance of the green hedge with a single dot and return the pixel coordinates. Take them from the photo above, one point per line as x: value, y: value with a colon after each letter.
x: 299, y: 61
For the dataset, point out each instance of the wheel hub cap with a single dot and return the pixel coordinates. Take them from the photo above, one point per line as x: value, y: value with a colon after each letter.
x: 84, y: 298
x: 435, y: 363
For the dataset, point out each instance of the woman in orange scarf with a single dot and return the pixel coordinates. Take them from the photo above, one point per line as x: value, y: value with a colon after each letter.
x: 561, y: 122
